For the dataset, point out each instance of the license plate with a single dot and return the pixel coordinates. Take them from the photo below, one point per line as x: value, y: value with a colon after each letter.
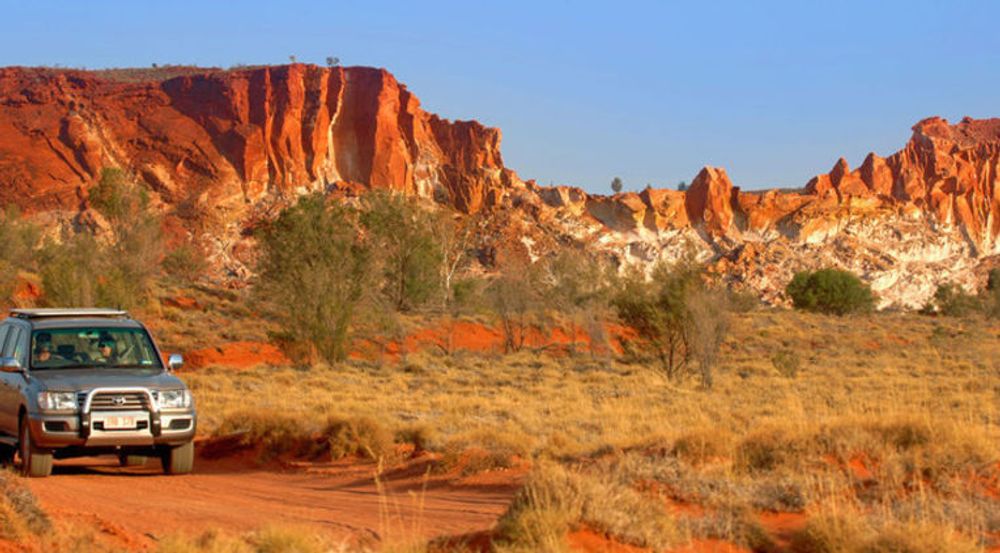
x: 119, y: 422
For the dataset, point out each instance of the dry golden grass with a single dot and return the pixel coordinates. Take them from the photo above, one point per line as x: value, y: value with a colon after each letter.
x: 271, y: 539
x: 275, y: 434
x: 556, y: 500
x: 873, y: 368
x: 895, y: 415
x: 20, y: 515
x: 852, y: 532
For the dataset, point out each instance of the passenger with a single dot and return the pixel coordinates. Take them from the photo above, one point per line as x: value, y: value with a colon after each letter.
x: 106, y: 352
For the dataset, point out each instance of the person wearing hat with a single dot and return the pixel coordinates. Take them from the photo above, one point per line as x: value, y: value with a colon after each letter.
x: 106, y: 351
x: 42, y: 353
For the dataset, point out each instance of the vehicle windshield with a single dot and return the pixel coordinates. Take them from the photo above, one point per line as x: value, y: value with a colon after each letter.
x: 92, y: 347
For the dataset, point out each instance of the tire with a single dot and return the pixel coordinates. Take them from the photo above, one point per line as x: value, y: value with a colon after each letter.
x: 7, y: 455
x: 132, y: 460
x: 178, y: 460
x: 35, y: 463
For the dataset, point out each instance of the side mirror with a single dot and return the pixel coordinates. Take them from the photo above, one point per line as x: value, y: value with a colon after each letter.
x: 10, y: 365
x: 175, y: 361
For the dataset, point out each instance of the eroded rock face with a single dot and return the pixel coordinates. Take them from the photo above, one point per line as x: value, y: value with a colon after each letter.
x: 235, y: 145
x: 236, y: 138
x: 927, y: 214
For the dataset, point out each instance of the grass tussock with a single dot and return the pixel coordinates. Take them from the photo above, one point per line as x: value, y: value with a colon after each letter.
x: 851, y: 532
x: 556, y: 500
x: 358, y: 436
x: 270, y: 539
x: 703, y: 445
x: 20, y: 514
x: 276, y: 435
x: 483, y: 450
x: 902, y: 450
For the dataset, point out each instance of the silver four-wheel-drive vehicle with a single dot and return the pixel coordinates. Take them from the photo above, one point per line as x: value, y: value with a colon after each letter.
x: 81, y: 382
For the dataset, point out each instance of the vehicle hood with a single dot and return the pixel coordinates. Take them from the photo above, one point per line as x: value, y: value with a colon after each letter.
x: 87, y: 379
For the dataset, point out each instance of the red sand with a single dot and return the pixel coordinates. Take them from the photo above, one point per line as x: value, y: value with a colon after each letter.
x: 138, y: 505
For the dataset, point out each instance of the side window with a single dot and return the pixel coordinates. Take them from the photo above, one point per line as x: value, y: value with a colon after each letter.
x: 8, y: 344
x: 3, y: 336
x: 20, y: 347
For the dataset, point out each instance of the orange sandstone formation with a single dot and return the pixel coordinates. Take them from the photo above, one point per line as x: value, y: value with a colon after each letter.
x: 240, y: 143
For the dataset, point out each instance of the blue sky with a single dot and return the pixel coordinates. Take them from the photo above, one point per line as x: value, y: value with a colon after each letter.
x: 584, y: 91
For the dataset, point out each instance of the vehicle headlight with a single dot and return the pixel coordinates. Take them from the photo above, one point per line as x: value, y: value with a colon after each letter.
x: 57, y: 401
x: 174, y: 399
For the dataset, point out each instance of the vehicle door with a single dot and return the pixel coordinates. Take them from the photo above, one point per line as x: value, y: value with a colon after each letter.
x: 10, y: 399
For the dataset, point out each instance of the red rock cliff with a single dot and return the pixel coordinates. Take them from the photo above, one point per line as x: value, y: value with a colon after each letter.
x: 239, y: 142
x: 235, y: 137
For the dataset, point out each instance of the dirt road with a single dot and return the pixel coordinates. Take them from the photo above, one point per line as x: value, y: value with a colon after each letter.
x: 138, y: 506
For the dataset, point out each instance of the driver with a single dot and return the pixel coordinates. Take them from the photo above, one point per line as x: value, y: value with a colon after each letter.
x: 43, y: 353
x: 43, y: 348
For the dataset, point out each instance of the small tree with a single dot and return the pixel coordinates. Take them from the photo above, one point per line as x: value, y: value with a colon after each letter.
x: 682, y: 186
x: 579, y: 288
x: 617, y: 185
x: 409, y: 254
x: 517, y: 297
x: 292, y: 58
x: 332, y: 61
x: 831, y: 291
x: 133, y: 257
x: 18, y: 238
x: 658, y: 312
x: 708, y: 320
x: 314, y: 269
x: 455, y: 237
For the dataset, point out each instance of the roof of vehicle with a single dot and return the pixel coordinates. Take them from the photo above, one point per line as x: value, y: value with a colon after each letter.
x: 90, y: 322
x: 52, y: 312
x: 74, y: 317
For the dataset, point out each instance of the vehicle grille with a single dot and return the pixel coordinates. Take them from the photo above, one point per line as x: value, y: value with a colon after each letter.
x: 117, y: 401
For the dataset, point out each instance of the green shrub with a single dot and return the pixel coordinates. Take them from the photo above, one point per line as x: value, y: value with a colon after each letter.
x: 185, y: 262
x: 831, y: 291
x: 991, y: 296
x: 314, y: 269
x: 993, y: 280
x: 952, y: 301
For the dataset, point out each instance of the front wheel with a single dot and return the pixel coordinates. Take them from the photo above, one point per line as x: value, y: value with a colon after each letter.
x: 179, y: 459
x: 35, y: 462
